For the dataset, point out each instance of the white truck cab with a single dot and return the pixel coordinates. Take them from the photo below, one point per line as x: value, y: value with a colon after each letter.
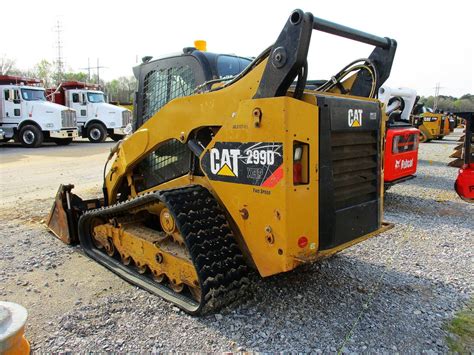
x: 27, y: 117
x: 96, y: 119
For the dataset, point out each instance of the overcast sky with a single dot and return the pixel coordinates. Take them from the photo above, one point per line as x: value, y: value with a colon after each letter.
x: 435, y: 38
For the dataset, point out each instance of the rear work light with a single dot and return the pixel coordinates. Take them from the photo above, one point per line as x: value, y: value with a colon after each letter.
x: 300, y: 163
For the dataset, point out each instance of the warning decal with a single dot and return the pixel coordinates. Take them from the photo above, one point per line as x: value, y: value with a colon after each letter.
x: 254, y: 163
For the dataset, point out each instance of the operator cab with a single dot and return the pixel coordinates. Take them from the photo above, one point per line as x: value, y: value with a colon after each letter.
x: 164, y: 79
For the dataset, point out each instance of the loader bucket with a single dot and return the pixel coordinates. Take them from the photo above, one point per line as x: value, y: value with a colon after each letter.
x: 65, y: 213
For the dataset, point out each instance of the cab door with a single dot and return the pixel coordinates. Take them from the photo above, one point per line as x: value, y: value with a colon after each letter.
x: 12, y: 105
x: 79, y: 103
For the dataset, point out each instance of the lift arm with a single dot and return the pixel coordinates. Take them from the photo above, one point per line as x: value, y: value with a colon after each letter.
x: 288, y: 56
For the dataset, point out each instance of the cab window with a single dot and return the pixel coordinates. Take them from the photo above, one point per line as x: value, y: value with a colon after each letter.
x: 95, y: 97
x: 228, y: 66
x: 75, y: 97
x: 30, y: 95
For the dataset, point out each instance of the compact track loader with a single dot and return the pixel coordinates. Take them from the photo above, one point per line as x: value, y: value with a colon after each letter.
x: 431, y: 125
x: 227, y: 173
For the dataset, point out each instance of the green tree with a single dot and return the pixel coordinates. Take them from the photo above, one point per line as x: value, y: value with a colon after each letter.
x: 450, y: 103
x: 43, y: 71
x: 112, y: 89
x: 71, y: 76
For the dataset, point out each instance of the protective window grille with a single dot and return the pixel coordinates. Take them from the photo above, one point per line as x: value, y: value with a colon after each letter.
x: 164, y: 85
x: 171, y: 160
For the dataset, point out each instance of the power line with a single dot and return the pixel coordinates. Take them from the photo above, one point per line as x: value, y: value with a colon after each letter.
x: 89, y: 69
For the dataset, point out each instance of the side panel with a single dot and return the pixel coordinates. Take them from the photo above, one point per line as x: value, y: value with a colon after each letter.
x: 277, y: 219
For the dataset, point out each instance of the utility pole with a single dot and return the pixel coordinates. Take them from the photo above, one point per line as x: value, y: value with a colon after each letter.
x: 88, y: 70
x: 436, y: 97
x: 98, y: 67
x: 59, y: 61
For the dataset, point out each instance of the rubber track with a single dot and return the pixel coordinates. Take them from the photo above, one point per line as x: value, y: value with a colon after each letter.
x: 219, y: 263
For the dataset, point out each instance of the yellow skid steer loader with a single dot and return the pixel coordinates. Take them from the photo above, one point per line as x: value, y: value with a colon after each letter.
x: 236, y: 165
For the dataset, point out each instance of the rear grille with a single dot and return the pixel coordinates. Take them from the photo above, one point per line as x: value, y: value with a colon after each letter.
x: 68, y: 119
x: 349, y: 171
x: 126, y: 118
x: 354, y: 161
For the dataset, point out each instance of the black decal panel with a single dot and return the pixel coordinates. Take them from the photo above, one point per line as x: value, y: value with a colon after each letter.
x: 253, y: 163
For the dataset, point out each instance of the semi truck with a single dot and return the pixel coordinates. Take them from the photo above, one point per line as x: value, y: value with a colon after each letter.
x: 26, y: 116
x: 96, y: 119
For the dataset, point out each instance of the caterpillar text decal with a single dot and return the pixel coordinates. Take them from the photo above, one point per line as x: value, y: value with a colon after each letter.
x: 253, y: 163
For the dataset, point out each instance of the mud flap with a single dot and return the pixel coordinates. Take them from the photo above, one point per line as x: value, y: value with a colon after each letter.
x: 65, y: 213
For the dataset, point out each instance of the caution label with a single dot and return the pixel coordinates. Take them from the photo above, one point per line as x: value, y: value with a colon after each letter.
x: 254, y: 163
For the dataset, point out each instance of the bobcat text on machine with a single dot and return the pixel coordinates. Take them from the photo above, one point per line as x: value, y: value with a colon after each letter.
x: 401, y: 138
x: 238, y: 172
x: 27, y: 117
x: 96, y: 119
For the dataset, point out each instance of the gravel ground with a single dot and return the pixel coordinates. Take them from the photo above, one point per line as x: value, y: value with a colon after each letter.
x: 391, y: 293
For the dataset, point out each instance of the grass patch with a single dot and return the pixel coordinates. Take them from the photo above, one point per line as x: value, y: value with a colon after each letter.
x: 461, y: 329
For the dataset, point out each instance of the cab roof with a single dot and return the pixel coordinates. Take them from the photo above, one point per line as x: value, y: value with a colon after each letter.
x: 18, y: 80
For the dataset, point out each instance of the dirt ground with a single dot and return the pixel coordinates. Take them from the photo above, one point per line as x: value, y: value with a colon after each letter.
x: 35, y: 173
x: 29, y: 178
x: 74, y: 303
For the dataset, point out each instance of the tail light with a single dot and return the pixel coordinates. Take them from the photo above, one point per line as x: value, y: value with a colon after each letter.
x: 300, y: 163
x: 297, y: 173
